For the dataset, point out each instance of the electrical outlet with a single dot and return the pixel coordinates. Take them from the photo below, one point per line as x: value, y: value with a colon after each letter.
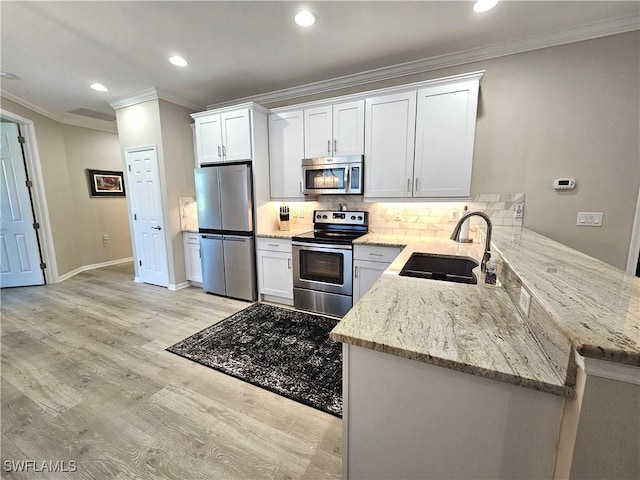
x: 301, y: 213
x: 525, y: 301
x: 397, y: 218
x: 453, y: 215
x: 518, y: 210
x: 105, y: 237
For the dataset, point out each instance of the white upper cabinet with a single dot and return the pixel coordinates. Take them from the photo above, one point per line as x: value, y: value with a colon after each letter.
x: 286, y: 150
x: 334, y: 130
x: 390, y: 126
x: 420, y: 143
x: 223, y: 137
x: 445, y: 133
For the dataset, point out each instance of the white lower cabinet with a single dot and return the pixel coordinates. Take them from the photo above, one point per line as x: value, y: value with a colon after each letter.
x: 192, y: 256
x: 368, y: 264
x: 275, y: 270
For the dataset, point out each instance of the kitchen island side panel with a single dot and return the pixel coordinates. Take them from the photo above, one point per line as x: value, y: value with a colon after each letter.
x: 409, y: 419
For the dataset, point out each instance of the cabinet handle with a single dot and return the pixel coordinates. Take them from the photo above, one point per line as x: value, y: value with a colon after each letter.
x: 375, y: 254
x: 355, y: 272
x: 329, y: 147
x: 416, y: 185
x: 335, y: 146
x: 157, y: 228
x: 300, y: 186
x: 219, y: 152
x: 289, y: 263
x: 273, y: 244
x: 224, y: 151
x: 408, y: 185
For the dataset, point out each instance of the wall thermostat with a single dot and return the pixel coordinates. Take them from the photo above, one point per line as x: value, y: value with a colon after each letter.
x: 564, y: 183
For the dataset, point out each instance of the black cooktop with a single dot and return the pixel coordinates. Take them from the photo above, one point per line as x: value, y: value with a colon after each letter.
x: 328, y: 237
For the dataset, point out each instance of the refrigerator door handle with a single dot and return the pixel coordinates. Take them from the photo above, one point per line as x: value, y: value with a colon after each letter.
x: 235, y: 239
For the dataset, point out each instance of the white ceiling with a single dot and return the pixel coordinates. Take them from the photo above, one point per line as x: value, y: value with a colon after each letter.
x: 237, y: 49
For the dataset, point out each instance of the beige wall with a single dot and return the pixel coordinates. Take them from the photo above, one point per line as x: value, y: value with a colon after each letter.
x: 167, y: 126
x: 96, y: 150
x: 78, y: 221
x: 566, y: 111
x: 179, y: 162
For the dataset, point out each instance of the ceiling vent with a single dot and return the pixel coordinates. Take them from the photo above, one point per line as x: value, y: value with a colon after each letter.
x: 85, y: 112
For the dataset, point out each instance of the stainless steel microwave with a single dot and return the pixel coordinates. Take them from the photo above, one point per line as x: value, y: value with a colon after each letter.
x: 333, y: 175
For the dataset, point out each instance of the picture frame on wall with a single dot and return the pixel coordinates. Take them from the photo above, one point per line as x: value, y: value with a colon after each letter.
x: 106, y: 183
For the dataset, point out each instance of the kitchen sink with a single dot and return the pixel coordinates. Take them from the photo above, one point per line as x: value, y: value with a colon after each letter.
x: 448, y: 268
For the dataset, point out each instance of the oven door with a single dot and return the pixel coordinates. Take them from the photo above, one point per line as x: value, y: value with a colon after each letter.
x: 323, y: 180
x: 323, y: 268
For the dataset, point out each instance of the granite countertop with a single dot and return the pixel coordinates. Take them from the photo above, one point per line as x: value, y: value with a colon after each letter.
x: 283, y: 233
x: 477, y: 329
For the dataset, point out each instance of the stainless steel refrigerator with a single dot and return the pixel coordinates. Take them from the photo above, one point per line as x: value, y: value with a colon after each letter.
x: 225, y: 221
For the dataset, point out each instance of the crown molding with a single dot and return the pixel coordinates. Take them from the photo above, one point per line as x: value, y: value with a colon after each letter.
x: 153, y: 93
x: 535, y: 42
x: 65, y: 117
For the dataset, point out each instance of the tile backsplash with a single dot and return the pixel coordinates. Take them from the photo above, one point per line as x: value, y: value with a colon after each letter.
x: 425, y: 218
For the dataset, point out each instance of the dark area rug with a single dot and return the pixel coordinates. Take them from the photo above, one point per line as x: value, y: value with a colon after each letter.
x: 284, y: 351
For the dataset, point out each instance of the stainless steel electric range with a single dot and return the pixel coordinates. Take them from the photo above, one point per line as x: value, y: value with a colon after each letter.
x: 323, y: 262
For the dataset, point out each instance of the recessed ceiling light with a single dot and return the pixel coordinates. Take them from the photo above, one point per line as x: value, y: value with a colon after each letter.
x: 484, y: 5
x: 99, y: 87
x: 305, y: 18
x: 178, y: 61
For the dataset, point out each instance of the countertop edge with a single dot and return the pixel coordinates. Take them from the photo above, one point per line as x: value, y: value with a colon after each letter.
x: 560, y: 390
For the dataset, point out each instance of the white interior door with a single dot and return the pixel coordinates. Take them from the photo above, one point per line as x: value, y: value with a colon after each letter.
x: 146, y: 207
x: 20, y: 255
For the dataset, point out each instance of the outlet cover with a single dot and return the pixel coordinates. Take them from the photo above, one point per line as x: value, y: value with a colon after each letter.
x: 525, y: 301
x: 518, y: 210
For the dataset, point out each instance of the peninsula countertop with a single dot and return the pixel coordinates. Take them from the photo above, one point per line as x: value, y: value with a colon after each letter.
x: 477, y: 329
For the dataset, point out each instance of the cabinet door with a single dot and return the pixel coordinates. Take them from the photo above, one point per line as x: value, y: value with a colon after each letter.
x: 286, y: 150
x: 236, y: 133
x: 364, y: 276
x: 192, y: 262
x: 209, y: 139
x: 275, y: 276
x: 318, y: 138
x: 390, y: 125
x: 348, y: 128
x: 445, y: 133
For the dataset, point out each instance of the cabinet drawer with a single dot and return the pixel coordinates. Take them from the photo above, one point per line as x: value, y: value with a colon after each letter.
x: 375, y: 254
x: 274, y: 244
x: 190, y: 237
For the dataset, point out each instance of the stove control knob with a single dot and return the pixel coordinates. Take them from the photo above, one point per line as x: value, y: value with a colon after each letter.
x: 353, y: 217
x: 324, y: 217
x: 359, y: 217
x: 318, y: 217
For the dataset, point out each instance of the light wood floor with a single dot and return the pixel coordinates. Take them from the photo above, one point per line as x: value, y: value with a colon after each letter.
x: 85, y: 378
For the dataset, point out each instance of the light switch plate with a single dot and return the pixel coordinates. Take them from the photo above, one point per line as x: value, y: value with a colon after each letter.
x: 589, y: 219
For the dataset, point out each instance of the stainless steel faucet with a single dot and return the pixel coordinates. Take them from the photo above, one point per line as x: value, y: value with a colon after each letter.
x: 455, y: 235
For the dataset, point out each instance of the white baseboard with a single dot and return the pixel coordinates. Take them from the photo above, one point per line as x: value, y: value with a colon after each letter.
x: 178, y: 286
x: 84, y: 268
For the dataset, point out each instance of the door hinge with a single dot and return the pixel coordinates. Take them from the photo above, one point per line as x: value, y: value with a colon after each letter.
x: 36, y: 225
x: 43, y: 266
x: 28, y: 183
x: 140, y: 262
x: 21, y: 139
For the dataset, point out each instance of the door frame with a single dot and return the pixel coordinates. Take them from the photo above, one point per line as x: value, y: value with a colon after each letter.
x: 132, y: 231
x: 634, y: 243
x: 40, y: 206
